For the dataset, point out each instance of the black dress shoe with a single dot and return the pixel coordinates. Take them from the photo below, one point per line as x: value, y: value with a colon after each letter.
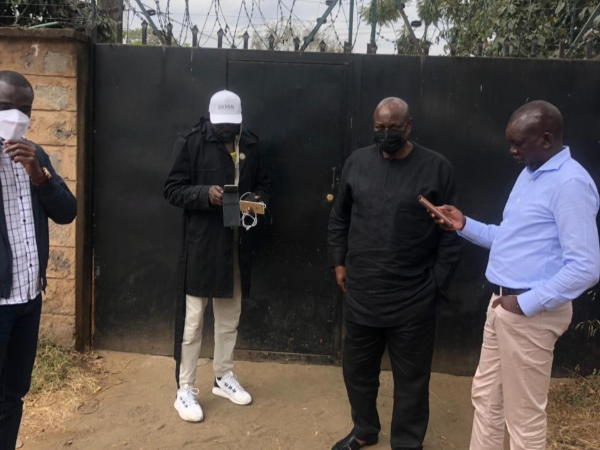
x: 351, y: 443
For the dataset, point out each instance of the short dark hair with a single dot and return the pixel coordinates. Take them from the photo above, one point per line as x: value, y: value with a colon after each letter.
x: 15, y: 79
x: 544, y: 113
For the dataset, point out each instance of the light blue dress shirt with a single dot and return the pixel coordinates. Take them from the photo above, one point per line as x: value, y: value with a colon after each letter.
x: 548, y: 238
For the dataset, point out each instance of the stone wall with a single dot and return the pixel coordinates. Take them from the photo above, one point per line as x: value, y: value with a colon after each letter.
x: 55, y: 62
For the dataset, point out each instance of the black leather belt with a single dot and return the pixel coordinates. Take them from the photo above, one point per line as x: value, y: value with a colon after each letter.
x: 501, y: 290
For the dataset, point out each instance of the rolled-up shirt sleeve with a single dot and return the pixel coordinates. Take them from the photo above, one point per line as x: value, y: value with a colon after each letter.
x: 575, y: 209
x: 479, y: 233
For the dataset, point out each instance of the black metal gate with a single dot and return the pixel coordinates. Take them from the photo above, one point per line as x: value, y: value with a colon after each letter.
x: 295, y: 307
x: 310, y: 111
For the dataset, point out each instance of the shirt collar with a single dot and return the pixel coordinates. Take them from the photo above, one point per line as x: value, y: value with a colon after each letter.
x: 553, y: 163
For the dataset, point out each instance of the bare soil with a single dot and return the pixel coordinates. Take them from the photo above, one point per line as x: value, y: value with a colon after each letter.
x: 129, y: 405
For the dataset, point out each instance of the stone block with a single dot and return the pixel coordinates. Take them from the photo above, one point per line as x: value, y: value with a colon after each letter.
x: 53, y: 128
x: 39, y: 57
x: 59, y: 62
x: 54, y: 93
x: 59, y: 329
x: 64, y: 161
x: 60, y: 298
x: 62, y: 235
x: 62, y: 263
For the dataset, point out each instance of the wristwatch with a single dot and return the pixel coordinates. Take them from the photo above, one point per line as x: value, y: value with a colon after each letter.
x: 47, y: 177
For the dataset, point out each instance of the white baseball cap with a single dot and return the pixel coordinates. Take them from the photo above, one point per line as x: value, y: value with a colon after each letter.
x: 225, y: 107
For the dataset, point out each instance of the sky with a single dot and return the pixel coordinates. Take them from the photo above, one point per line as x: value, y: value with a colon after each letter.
x: 305, y: 11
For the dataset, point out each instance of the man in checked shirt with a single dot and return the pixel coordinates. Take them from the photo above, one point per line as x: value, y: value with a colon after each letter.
x: 31, y: 192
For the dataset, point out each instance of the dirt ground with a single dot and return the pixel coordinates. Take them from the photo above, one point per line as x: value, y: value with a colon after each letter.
x: 295, y: 407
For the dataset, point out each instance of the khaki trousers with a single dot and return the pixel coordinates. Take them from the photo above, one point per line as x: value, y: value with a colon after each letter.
x: 227, y: 318
x: 512, y: 380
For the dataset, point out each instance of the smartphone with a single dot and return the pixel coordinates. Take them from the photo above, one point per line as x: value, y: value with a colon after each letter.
x: 228, y: 188
x: 436, y: 212
x: 257, y: 208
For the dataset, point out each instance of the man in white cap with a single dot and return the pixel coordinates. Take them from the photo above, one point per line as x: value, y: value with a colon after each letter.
x: 216, y: 260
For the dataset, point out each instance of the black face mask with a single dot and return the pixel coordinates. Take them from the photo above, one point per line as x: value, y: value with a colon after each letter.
x: 226, y: 132
x: 389, y: 141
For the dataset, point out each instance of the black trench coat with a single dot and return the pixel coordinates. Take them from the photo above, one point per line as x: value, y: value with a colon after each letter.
x: 206, y: 264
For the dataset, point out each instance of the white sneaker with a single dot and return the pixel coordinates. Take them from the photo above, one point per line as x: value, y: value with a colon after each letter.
x: 229, y: 387
x: 187, y: 405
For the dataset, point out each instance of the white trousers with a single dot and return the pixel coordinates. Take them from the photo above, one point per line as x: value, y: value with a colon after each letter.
x: 227, y: 318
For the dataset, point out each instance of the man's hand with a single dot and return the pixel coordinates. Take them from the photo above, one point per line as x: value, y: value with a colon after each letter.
x: 340, y: 276
x: 458, y: 219
x: 26, y: 155
x: 215, y: 195
x: 509, y: 303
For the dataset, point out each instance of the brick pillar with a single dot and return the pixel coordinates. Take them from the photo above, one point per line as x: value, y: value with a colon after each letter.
x: 55, y: 62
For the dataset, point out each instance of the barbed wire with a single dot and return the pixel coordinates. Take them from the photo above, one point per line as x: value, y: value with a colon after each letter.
x: 227, y: 28
x: 217, y: 5
x: 250, y: 23
x: 287, y: 16
x: 205, y: 21
x: 331, y: 26
x: 289, y: 24
x: 298, y: 19
x: 260, y: 12
x: 359, y: 20
x: 236, y: 25
x: 460, y: 5
x: 210, y: 35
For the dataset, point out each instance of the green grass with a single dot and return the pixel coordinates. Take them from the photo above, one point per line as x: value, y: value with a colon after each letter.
x: 52, y: 367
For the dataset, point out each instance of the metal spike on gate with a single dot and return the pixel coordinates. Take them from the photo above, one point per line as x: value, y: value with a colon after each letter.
x: 144, y: 32
x: 562, y: 48
x: 426, y: 47
x: 220, y: 34
x: 534, y: 45
x: 195, y: 36
x: 589, y: 47
x: 246, y: 39
x: 347, y: 47
x: 296, y: 44
x: 271, y: 42
x: 507, y: 47
x: 169, y: 33
x: 322, y: 46
x: 453, y: 46
x: 480, y: 48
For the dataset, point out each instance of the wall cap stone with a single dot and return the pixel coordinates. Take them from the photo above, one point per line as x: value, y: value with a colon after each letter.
x: 43, y: 33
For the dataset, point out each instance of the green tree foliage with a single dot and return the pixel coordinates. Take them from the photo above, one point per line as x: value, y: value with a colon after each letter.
x: 465, y: 23
x: 134, y: 37
x: 60, y: 13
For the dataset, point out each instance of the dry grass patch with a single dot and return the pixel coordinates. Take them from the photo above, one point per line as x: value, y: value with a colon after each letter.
x: 64, y: 383
x: 574, y: 414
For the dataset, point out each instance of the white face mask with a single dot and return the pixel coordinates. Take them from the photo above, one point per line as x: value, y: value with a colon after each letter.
x: 13, y: 124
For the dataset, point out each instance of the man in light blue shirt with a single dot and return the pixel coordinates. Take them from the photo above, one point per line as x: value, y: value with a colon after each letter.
x: 543, y: 255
